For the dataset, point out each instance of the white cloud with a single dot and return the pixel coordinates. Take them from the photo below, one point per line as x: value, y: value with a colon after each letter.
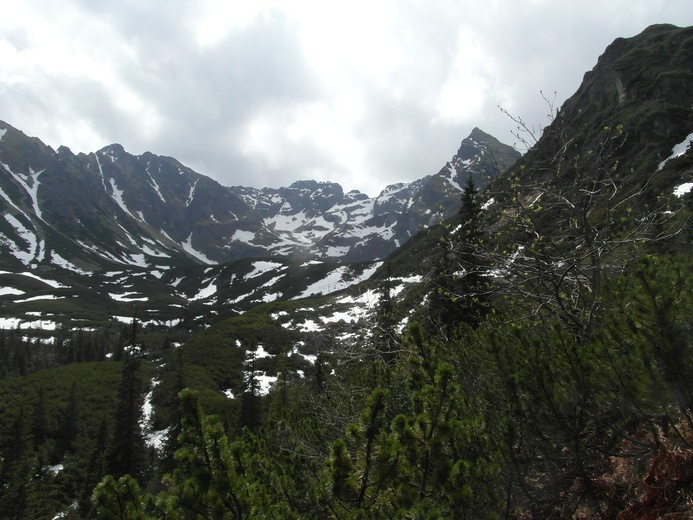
x: 364, y: 93
x: 466, y: 87
x: 213, y: 20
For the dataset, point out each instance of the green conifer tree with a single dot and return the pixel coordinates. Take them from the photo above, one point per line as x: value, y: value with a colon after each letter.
x: 69, y: 426
x: 171, y: 444
x: 128, y: 453
x: 385, y: 336
x: 470, y: 281
x: 250, y: 400
x: 205, y: 483
x: 442, y: 313
x: 39, y: 425
x: 18, y: 469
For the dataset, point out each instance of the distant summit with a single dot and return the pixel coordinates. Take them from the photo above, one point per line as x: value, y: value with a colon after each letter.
x: 484, y: 156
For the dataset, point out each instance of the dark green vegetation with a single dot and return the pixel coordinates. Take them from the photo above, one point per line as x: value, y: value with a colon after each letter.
x: 545, y: 369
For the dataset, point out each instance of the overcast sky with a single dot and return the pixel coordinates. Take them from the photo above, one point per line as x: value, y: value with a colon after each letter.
x: 264, y: 93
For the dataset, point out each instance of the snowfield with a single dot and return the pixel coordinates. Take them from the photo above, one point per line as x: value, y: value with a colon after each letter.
x: 678, y: 150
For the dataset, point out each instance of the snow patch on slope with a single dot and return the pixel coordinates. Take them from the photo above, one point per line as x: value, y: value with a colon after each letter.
x: 35, y: 250
x: 30, y: 183
x: 153, y: 439
x: 261, y: 267
x: 682, y: 189
x: 117, y: 195
x: 128, y: 297
x: 243, y: 236
x: 188, y: 248
x: 337, y: 280
x: 103, y: 177
x: 154, y: 185
x: 205, y: 292
x: 51, y: 283
x: 59, y: 261
x: 192, y: 192
x: 17, y: 323
x: 10, y: 291
x: 262, y: 380
x: 678, y: 150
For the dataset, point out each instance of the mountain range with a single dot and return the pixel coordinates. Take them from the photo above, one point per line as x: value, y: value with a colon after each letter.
x: 131, y: 231
x: 109, y: 208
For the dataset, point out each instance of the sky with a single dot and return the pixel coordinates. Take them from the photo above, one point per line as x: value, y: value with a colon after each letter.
x: 263, y: 93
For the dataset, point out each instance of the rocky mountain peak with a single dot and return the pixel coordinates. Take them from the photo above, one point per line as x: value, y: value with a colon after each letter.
x: 639, y: 88
x: 111, y: 208
x: 311, y: 185
x: 477, y: 144
x: 113, y: 148
x: 483, y: 157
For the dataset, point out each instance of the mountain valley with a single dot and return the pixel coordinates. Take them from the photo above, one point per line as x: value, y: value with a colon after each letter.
x: 508, y: 337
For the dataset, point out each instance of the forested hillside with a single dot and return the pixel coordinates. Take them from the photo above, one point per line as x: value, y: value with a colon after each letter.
x: 529, y: 357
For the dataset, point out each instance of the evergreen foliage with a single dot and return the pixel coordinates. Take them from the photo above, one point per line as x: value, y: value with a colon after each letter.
x: 19, y: 466
x: 460, y: 279
x: 127, y: 455
x: 385, y: 335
